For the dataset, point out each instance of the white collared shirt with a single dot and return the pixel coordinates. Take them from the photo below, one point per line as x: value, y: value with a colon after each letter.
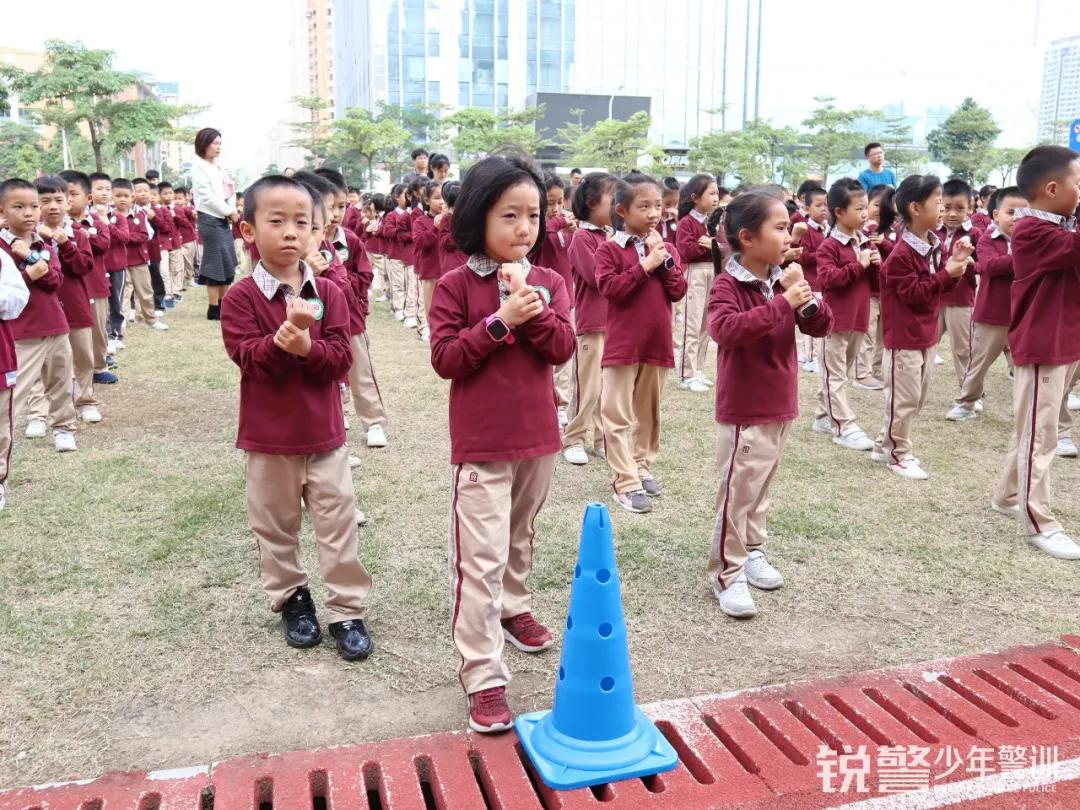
x: 930, y: 249
x: 269, y: 286
x: 1068, y: 223
x: 700, y: 217
x: 623, y: 238
x: 736, y: 269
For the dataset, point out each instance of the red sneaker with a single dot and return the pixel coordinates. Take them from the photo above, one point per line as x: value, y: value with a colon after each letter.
x: 489, y: 711
x: 526, y: 633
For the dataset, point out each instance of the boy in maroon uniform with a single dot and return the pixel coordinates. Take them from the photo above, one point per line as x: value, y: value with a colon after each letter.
x: 954, y: 315
x: 1044, y: 335
x: 13, y: 298
x: 288, y: 331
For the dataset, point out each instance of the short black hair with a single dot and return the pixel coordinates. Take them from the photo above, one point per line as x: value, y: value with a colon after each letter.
x: 203, y: 138
x: 870, y: 147
x: 841, y: 194
x: 723, y: 191
x: 181, y: 189
x: 450, y: 191
x: 80, y: 178
x: 815, y: 192
x: 482, y: 187
x: 353, y: 190
x: 748, y: 212
x: 805, y: 187
x: 552, y: 180
x: 251, y: 196
x: 152, y: 174
x: 139, y: 181
x: 590, y: 191
x: 164, y: 184
x: 15, y: 184
x: 95, y: 176
x: 50, y: 184
x: 986, y: 191
x: 692, y: 189
x: 1000, y: 194
x: 575, y: 171
x: 336, y: 178
x: 120, y: 182
x: 418, y: 152
x: 670, y: 184
x: 954, y: 187
x: 437, y: 161
x: 319, y: 188
x: 626, y: 189
x: 915, y: 188
x: 378, y: 201
x: 1042, y: 164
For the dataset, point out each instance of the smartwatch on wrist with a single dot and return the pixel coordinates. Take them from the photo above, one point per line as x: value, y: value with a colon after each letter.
x: 498, y: 330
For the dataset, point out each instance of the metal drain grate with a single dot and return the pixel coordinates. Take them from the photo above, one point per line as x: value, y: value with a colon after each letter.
x: 751, y: 749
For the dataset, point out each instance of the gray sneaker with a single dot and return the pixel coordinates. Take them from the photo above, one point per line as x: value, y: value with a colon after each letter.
x: 651, y: 486
x: 636, y: 501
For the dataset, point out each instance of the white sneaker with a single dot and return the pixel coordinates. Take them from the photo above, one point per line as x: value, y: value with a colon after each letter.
x: 3, y: 497
x: 90, y: 414
x: 36, y: 429
x: 978, y: 406
x: 345, y: 419
x: 701, y: 378
x: 879, y: 456
x: 158, y: 326
x: 958, y: 413
x: 736, y: 600
x: 823, y: 425
x: 159, y: 313
x: 399, y: 315
x: 810, y: 367
x: 695, y: 385
x: 131, y: 317
x: 854, y: 438
x: 575, y: 454
x: 868, y: 384
x: 1066, y: 448
x: 376, y: 436
x: 354, y: 462
x: 761, y: 574
x: 564, y: 418
x: 1056, y: 544
x: 910, y: 468
x: 361, y: 518
x: 1073, y: 403
x: 411, y: 322
x: 64, y: 441
x: 939, y: 360
x: 1007, y: 511
x: 112, y: 348
x: 380, y: 299
x: 425, y: 335
x: 119, y: 344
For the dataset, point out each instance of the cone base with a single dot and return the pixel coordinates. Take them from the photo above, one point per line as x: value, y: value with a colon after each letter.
x: 564, y: 763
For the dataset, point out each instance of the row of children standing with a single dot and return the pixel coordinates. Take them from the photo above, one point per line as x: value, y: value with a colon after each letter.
x: 86, y: 255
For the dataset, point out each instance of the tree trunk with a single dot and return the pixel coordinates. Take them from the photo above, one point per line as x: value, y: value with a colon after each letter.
x: 370, y: 172
x: 95, y: 142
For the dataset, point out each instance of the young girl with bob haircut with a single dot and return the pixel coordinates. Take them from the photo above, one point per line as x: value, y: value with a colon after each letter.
x: 592, y: 208
x: 753, y: 310
x: 882, y: 231
x: 426, y: 249
x: 639, y: 275
x: 498, y: 326
x: 844, y: 261
x: 912, y: 281
x: 697, y: 199
x: 392, y: 228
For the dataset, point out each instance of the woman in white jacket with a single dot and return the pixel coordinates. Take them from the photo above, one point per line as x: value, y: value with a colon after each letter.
x: 215, y: 205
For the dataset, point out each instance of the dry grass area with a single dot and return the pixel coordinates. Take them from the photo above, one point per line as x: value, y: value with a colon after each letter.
x: 133, y: 633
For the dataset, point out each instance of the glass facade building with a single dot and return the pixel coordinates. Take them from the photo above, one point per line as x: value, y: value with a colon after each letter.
x: 1059, y: 100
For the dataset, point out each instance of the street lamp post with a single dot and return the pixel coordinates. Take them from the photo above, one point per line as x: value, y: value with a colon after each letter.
x: 611, y: 100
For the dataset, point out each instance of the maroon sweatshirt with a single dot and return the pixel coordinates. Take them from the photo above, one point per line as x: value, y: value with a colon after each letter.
x: 289, y: 405
x: 844, y: 281
x: 963, y: 294
x: 136, y: 239
x: 116, y: 257
x: 554, y: 250
x: 686, y: 237
x: 502, y: 395
x: 668, y: 230
x: 186, y: 229
x: 449, y: 255
x: 389, y: 227
x: 757, y: 371
x: 350, y: 252
x: 77, y: 264
x: 995, y: 269
x: 638, y: 324
x: 912, y: 281
x: 97, y: 229
x: 425, y: 246
x: 43, y: 315
x: 353, y: 219
x: 981, y: 220
x: 1045, y: 329
x: 590, y: 307
x: 810, y: 242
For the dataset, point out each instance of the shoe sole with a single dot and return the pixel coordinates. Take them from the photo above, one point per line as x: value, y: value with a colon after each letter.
x: 631, y: 509
x: 358, y: 657
x: 1049, y: 553
x: 733, y: 614
x: 1002, y: 510
x: 840, y: 443
x: 494, y: 728
x: 967, y: 418
x: 376, y: 445
x: 862, y: 387
x: 298, y: 646
x: 576, y: 463
x: 763, y: 587
x: 908, y: 477
x: 1069, y: 454
x: 523, y: 647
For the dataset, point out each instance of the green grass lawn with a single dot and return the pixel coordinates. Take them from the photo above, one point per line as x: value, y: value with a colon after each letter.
x: 133, y: 632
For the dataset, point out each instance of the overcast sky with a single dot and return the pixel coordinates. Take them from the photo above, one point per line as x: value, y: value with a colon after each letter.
x: 235, y: 55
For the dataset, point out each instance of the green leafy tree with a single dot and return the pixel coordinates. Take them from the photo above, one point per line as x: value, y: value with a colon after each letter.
x: 357, y: 135
x: 896, y: 139
x: 728, y: 155
x: 80, y: 152
x: 965, y: 141
x: 619, y: 146
x: 21, y: 153
x: 425, y: 123
x: 78, y: 88
x: 313, y: 133
x: 833, y: 136
x: 1004, y: 160
x: 477, y: 133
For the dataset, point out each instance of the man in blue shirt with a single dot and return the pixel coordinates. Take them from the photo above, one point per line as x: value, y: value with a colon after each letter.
x: 877, y: 174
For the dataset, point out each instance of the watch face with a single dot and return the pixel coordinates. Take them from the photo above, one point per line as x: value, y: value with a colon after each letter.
x: 498, y: 330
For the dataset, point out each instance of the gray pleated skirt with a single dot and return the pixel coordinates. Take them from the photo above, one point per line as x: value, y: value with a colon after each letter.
x: 218, y: 267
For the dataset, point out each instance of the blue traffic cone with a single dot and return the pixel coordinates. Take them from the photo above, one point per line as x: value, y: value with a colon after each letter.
x: 595, y: 733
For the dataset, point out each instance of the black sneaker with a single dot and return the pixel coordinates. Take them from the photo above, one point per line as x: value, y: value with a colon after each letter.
x: 637, y: 501
x: 298, y: 617
x: 353, y: 641
x: 651, y: 486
